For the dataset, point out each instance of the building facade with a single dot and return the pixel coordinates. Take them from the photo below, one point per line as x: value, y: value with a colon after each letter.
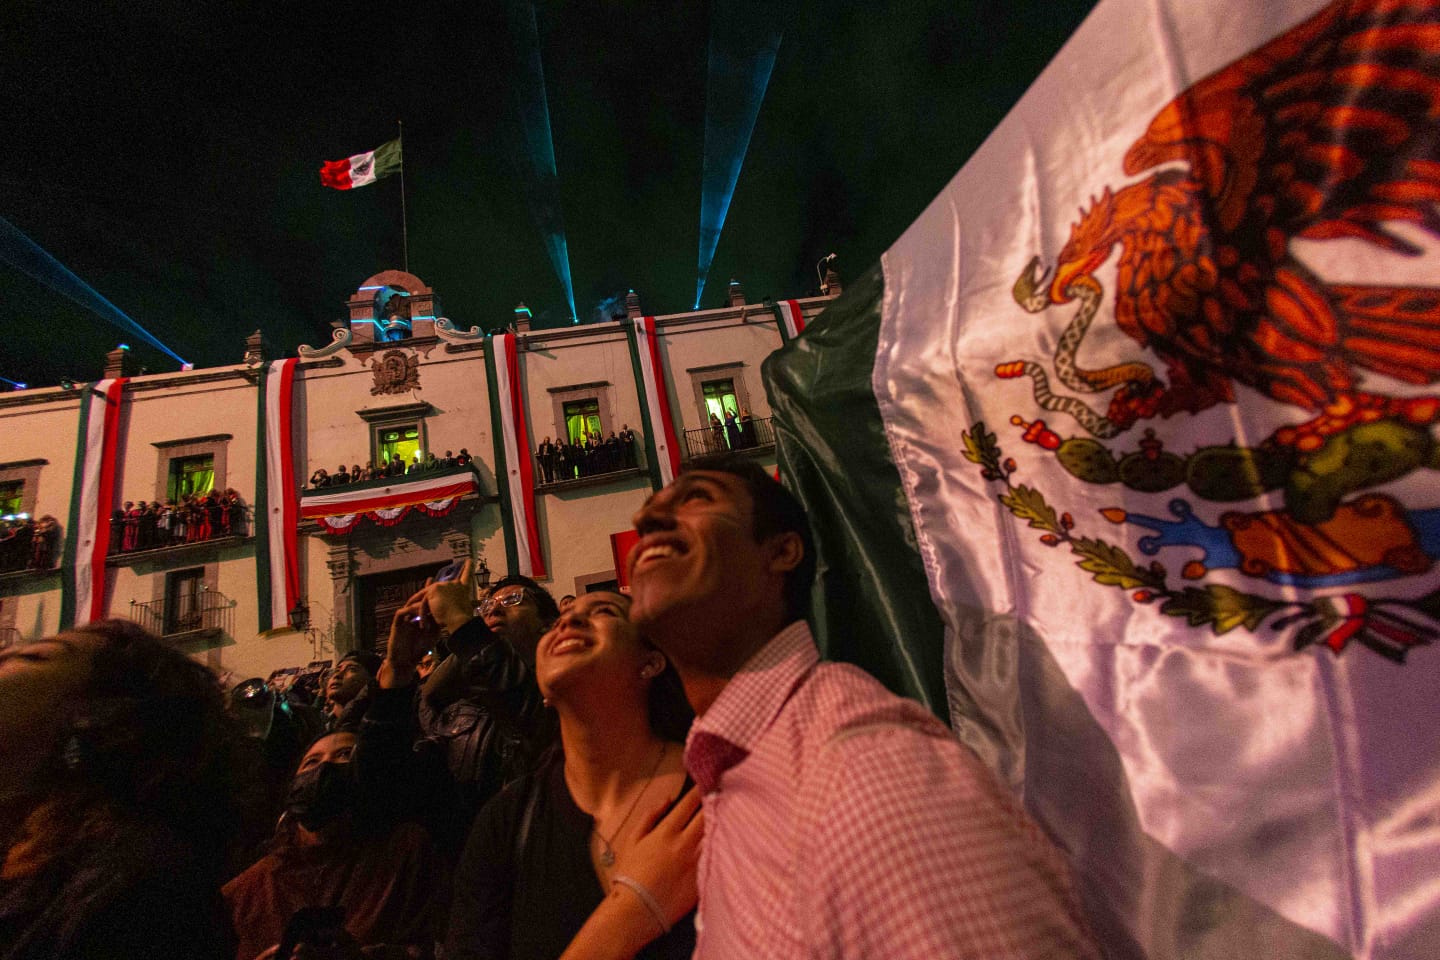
x: 250, y: 562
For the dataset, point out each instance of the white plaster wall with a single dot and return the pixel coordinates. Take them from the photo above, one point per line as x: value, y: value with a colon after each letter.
x: 684, y: 346
x: 576, y: 528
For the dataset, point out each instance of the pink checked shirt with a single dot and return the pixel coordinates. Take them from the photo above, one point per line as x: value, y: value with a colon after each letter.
x: 844, y: 821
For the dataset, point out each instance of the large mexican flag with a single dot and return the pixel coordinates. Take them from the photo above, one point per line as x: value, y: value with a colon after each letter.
x: 1124, y: 459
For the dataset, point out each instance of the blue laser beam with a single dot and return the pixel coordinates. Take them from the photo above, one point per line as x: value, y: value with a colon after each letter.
x: 741, y: 59
x: 14, y: 383
x: 31, y: 259
x: 533, y: 108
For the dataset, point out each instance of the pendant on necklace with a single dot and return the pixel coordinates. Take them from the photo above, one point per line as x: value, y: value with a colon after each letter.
x: 607, y: 857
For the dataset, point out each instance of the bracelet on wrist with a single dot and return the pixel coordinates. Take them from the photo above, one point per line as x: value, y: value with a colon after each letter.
x: 646, y: 897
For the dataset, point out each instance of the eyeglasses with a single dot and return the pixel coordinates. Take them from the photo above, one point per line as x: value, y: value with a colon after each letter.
x: 509, y: 600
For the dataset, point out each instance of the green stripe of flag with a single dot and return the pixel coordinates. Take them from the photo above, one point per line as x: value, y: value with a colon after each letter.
x: 874, y: 607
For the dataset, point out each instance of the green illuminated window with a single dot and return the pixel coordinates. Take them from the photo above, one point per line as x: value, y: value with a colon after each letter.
x: 12, y: 495
x: 400, y: 442
x: 190, y: 476
x: 582, y: 418
x: 720, y: 398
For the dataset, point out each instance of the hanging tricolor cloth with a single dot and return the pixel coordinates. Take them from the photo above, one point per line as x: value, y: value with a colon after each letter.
x: 661, y: 447
x: 514, y: 467
x: 277, y: 507
x: 791, y: 319
x: 97, y: 473
x: 388, y: 500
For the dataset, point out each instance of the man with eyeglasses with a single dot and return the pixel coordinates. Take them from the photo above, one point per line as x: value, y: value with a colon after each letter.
x: 480, y: 705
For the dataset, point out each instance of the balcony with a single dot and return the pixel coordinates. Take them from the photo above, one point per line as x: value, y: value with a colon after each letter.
x: 601, y: 464
x: 206, y: 615
x: 136, y: 540
x: 751, y: 435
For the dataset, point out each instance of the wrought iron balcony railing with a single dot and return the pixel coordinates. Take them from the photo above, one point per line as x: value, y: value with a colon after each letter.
x: 204, y: 614
x: 745, y: 435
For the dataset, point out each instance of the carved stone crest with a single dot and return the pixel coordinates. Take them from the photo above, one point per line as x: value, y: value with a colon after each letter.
x: 395, y: 372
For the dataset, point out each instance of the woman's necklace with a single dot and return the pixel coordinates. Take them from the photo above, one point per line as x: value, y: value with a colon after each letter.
x: 607, y: 854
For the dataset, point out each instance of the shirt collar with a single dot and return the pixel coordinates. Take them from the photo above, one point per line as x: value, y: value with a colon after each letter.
x: 752, y: 699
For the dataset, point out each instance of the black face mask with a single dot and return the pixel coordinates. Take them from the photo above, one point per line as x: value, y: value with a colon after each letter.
x: 320, y: 795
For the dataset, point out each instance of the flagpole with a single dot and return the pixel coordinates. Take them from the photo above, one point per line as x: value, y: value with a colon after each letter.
x: 404, y: 222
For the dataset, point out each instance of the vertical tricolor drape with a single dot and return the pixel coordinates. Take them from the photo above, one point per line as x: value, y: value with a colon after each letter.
x: 97, y: 470
x: 660, y: 442
x: 791, y: 319
x: 277, y: 507
x: 514, y: 467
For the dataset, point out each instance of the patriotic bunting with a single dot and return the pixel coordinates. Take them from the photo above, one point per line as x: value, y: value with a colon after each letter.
x: 660, y: 442
x: 791, y: 319
x: 514, y: 468
x: 97, y: 470
x: 276, y: 502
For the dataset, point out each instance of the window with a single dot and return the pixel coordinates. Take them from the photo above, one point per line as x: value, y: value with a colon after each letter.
x: 720, y: 398
x: 190, y: 476
x: 582, y: 419
x: 184, y: 592
x: 397, y: 442
x: 12, y: 497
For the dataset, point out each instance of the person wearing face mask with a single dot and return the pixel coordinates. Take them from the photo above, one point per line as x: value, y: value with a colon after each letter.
x: 595, y: 817
x: 332, y: 850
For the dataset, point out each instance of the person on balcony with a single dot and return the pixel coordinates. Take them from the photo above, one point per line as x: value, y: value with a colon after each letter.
x: 463, y: 460
x: 717, y: 433
x: 546, y: 455
x: 320, y: 478
x: 627, y: 437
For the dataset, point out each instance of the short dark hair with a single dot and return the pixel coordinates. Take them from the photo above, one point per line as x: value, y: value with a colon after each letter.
x: 777, y: 511
x: 549, y: 609
x: 368, y: 660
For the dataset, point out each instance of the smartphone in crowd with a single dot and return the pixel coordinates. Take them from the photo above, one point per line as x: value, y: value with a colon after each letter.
x: 451, y: 571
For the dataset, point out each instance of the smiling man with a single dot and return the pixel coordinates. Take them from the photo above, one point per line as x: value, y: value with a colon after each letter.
x: 840, y: 819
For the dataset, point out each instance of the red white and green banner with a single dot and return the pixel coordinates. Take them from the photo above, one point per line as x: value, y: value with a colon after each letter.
x: 660, y: 438
x: 514, y: 466
x: 363, y: 168
x: 338, y: 510
x: 277, y: 506
x: 790, y: 317
x: 98, y: 458
x: 1144, y: 499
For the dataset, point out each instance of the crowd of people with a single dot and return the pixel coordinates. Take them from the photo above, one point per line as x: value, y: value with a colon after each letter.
x: 516, y: 780
x: 589, y: 455
x: 190, y: 519
x: 29, y: 544
x: 389, y: 467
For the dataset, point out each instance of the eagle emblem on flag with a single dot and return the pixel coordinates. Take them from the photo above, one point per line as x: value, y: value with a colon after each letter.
x: 1327, y: 133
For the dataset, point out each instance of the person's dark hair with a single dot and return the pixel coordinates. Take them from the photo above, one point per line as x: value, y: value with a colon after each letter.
x: 544, y: 603
x: 370, y: 661
x: 150, y: 737
x: 776, y: 511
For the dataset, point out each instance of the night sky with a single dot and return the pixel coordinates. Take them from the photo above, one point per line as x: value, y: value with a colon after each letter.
x: 168, y: 154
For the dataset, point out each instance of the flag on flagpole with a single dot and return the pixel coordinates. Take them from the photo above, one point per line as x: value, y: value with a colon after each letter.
x: 363, y: 168
x: 1146, y: 500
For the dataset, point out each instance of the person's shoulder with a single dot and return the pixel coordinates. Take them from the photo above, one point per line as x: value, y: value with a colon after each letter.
x: 840, y: 700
